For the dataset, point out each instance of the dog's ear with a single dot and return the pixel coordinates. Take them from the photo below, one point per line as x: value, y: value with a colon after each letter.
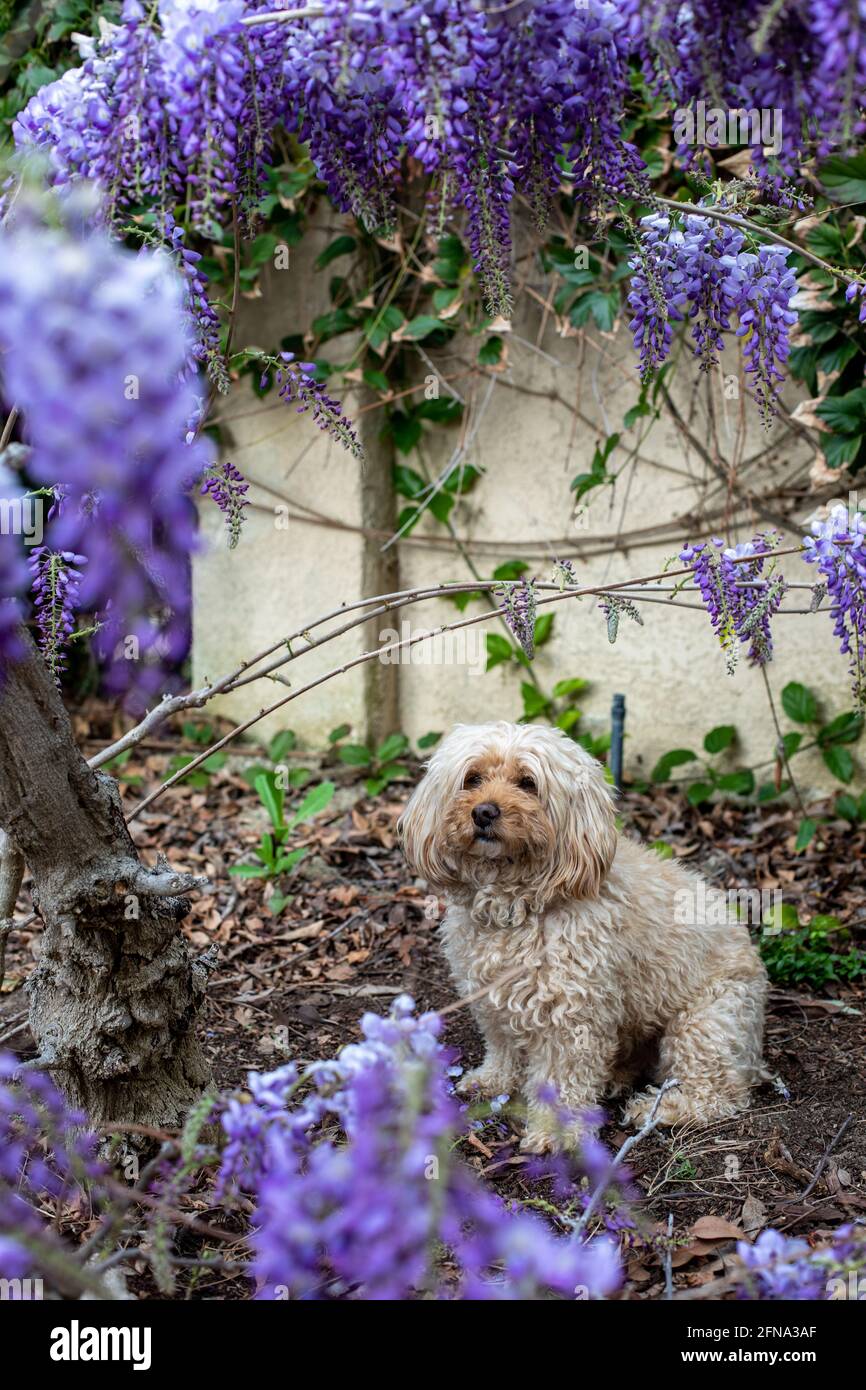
x: 418, y: 825
x: 586, y: 826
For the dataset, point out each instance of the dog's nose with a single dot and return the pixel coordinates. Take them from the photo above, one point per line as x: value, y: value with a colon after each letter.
x: 485, y: 814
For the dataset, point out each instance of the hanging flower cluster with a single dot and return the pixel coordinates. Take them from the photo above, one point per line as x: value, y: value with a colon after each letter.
x: 519, y: 605
x: 702, y: 271
x: 56, y: 579
x: 837, y: 546
x: 228, y: 487
x: 803, y: 62
x: 740, y: 598
x: 178, y: 104
x: 297, y: 382
x: 94, y: 349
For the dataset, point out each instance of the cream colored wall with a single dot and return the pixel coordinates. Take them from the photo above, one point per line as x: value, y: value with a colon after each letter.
x: 527, y: 445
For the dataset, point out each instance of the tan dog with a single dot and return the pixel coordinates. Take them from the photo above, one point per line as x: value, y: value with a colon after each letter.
x: 514, y: 824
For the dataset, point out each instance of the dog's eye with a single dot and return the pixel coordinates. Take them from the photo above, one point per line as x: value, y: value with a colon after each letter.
x: 472, y: 779
x: 527, y: 784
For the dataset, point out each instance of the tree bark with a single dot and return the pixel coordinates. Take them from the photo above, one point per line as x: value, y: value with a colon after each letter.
x: 115, y: 993
x: 380, y: 571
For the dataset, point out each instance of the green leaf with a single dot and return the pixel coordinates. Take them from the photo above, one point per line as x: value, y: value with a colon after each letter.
x: 845, y: 728
x: 313, y: 803
x: 572, y: 686
x: 286, y: 862
x: 845, y: 179
x: 341, y: 731
x: 281, y: 744
x: 663, y: 849
x: 429, y: 740
x: 378, y: 381
x: 840, y: 450
x: 405, y: 429
x: 791, y: 742
x: 601, y: 305
x: 847, y: 807
x: 498, y: 650
x: 272, y: 798
x: 444, y: 411
x: 840, y: 762
x: 742, y: 783
x: 248, y: 871
x: 490, y: 352
x: 341, y: 246
x: 355, y: 754
x: 668, y: 761
x: 534, y: 701
x: 698, y: 792
x: 393, y: 746
x: 215, y: 762
x: 569, y: 718
x: 421, y: 327
x: 722, y: 736
x: 374, y: 785
x: 512, y: 569
x: 331, y: 325
x: 407, y: 482
x: 390, y: 772
x: 845, y: 414
x: 824, y: 922
x: 805, y: 833
x: 799, y: 703
x: 543, y: 629
x: 768, y: 791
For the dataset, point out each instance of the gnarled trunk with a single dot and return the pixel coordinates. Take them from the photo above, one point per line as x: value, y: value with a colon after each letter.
x: 115, y: 993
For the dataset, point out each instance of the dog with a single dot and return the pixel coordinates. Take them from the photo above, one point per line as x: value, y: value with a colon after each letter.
x: 515, y: 825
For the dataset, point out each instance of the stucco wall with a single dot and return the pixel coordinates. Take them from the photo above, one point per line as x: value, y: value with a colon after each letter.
x: 529, y: 447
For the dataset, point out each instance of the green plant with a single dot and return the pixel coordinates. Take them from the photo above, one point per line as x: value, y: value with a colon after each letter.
x: 274, y: 859
x: 740, y: 781
x: 289, y: 779
x: 381, y: 762
x: 796, y: 952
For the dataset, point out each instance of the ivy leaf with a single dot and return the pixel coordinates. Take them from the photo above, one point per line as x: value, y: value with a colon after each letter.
x: 845, y: 178
x: 341, y: 246
x: 490, y: 352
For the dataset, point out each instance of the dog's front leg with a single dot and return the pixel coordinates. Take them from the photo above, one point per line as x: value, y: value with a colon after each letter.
x: 568, y: 1069
x: 500, y: 1072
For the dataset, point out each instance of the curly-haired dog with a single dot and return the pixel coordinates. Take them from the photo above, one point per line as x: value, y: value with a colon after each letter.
x: 617, y: 948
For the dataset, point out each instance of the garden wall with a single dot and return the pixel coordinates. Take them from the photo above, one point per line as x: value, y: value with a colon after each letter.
x: 530, y: 427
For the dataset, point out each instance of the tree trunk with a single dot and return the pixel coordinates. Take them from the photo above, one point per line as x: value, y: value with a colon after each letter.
x: 380, y: 572
x: 115, y: 994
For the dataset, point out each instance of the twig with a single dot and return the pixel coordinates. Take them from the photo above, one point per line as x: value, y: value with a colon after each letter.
x: 810, y: 1186
x: 650, y: 1124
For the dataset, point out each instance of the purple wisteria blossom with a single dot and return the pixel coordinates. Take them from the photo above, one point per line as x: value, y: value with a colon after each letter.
x: 297, y: 382
x: 56, y: 579
x: 837, y: 546
x: 702, y: 271
x: 740, y: 598
x: 519, y: 604
x: 365, y: 1217
x: 94, y: 351
x: 228, y: 487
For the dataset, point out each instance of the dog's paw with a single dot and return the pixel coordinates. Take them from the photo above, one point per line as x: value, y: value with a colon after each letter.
x: 540, y: 1141
x: 483, y: 1084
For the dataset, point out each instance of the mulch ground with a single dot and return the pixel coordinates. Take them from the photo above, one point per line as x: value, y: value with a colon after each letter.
x: 358, y: 931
